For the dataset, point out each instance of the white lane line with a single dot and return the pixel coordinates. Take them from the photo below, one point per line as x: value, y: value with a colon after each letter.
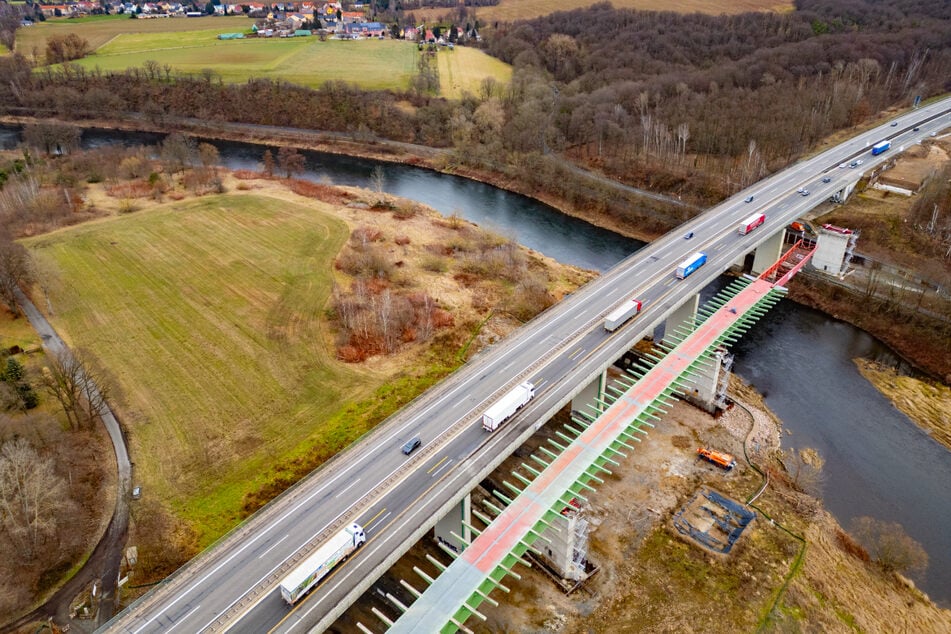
x: 436, y: 472
x: 273, y: 546
x: 346, y: 488
x: 378, y: 521
x: 183, y: 619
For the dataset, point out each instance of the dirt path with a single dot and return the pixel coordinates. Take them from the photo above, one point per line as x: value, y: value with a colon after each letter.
x: 103, y: 563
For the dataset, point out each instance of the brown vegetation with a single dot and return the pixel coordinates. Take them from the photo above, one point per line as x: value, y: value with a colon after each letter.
x: 924, y: 340
x: 54, y: 514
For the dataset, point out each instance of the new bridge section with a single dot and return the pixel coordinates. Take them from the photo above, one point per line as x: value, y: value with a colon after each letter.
x: 456, y: 594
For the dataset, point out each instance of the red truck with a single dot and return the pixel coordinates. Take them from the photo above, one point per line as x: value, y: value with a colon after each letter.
x: 751, y: 223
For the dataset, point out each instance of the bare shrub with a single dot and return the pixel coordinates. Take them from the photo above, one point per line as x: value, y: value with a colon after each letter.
x: 850, y: 546
x: 889, y: 546
x: 401, y: 240
x: 404, y: 212
x: 363, y: 236
x: 529, y: 298
x: 134, y: 189
x: 370, y: 262
x: 326, y: 193
x: 434, y: 263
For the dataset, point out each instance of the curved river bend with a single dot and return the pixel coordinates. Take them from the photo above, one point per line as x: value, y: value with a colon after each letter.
x: 878, y: 462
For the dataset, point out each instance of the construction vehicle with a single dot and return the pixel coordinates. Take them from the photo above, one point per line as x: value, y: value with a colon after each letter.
x: 721, y: 459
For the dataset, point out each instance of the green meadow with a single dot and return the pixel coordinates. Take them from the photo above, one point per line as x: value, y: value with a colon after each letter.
x: 190, y: 47
x: 209, y: 316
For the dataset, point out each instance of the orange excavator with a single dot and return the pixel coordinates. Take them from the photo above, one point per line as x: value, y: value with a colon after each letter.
x: 723, y: 460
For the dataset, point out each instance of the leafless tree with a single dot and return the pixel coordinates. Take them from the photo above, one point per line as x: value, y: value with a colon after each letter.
x: 267, y: 163
x: 378, y: 179
x: 290, y: 160
x: 178, y: 151
x: 16, y: 271
x: 805, y: 469
x: 81, y: 391
x: 31, y: 494
x: 52, y: 138
x: 889, y: 545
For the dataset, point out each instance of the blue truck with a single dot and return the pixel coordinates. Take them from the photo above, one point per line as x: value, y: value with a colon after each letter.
x: 691, y: 264
x: 880, y: 147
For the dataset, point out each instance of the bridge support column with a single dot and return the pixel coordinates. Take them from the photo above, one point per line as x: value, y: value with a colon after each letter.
x: 687, y: 312
x: 592, y: 394
x: 768, y: 253
x: 563, y: 545
x: 457, y: 521
x: 711, y: 383
x: 841, y: 195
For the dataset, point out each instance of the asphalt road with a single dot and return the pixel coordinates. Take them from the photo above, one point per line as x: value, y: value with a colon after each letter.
x: 397, y: 498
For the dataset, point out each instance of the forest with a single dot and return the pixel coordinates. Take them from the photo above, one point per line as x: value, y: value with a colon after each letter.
x: 695, y: 106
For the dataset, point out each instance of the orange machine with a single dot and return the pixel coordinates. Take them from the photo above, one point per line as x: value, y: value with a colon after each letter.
x: 719, y: 458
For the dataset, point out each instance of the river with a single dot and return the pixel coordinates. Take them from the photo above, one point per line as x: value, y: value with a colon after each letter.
x: 878, y: 462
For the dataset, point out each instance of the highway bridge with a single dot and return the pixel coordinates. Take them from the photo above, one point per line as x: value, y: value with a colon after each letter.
x: 398, y: 498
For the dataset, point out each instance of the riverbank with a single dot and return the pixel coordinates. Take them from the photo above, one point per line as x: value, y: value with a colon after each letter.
x: 926, y: 402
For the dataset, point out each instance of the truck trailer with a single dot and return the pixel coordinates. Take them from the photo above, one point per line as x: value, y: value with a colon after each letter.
x: 751, y: 223
x: 691, y: 264
x: 305, y: 576
x: 621, y: 314
x: 880, y: 147
x: 507, y: 405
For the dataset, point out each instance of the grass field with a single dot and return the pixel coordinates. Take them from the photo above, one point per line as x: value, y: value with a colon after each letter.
x: 98, y: 30
x: 371, y: 64
x: 509, y: 10
x: 207, y: 314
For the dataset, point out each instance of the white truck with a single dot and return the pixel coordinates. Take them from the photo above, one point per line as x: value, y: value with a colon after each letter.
x: 507, y: 405
x: 301, y: 579
x: 621, y: 314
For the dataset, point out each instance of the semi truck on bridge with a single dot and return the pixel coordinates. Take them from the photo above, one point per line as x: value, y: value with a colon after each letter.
x: 621, y: 314
x: 751, y: 223
x: 691, y: 264
x: 507, y: 405
x: 305, y: 576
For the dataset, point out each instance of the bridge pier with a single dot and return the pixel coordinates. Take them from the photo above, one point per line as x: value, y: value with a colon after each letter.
x: 710, y: 383
x: 457, y: 521
x: 769, y: 252
x: 834, y: 250
x: 592, y: 394
x: 563, y: 546
x: 687, y: 312
x: 841, y: 195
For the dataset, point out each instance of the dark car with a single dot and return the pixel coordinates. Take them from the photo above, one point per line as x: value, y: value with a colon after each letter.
x: 826, y: 179
x: 894, y: 123
x: 411, y: 445
x: 748, y: 199
x: 688, y: 236
x: 915, y: 129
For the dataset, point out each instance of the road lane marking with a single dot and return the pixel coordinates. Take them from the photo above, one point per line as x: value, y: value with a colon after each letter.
x: 437, y: 464
x: 346, y: 488
x: 183, y: 619
x: 370, y: 521
x: 441, y: 468
x: 273, y: 546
